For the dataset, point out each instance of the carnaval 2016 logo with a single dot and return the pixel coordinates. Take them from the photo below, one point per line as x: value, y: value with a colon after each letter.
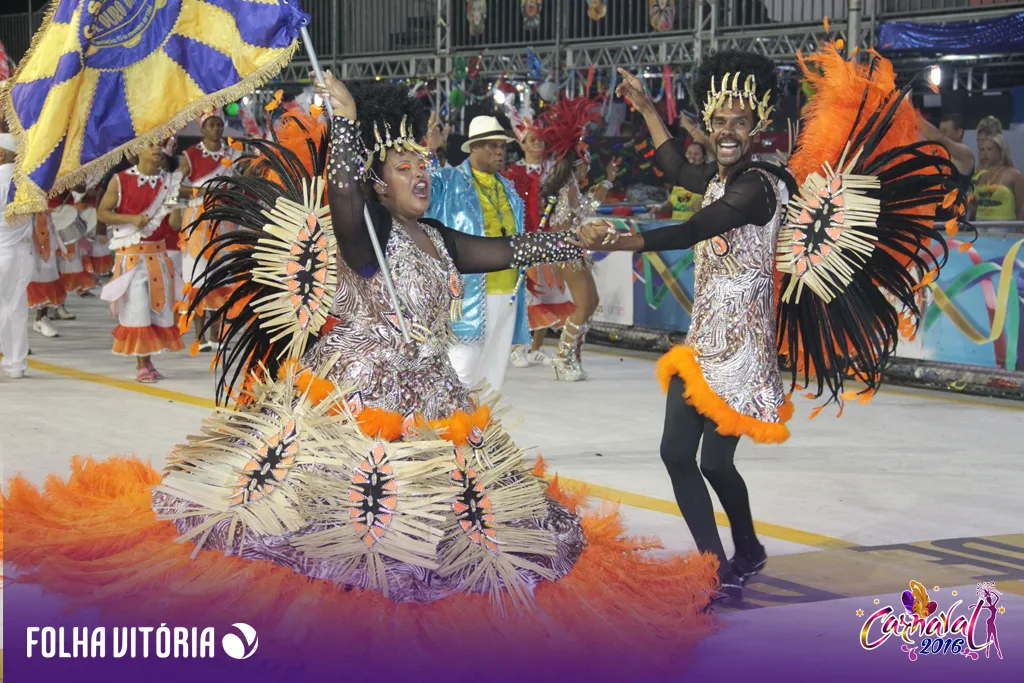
x: 968, y: 633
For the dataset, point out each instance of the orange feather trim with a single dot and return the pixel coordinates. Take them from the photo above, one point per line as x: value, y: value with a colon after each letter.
x: 378, y: 423
x: 681, y: 360
x: 95, y: 541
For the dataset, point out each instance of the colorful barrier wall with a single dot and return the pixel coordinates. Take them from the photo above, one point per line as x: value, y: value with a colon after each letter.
x: 972, y: 313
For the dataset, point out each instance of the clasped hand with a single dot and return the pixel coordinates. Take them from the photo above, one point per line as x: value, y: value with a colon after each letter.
x: 599, y: 235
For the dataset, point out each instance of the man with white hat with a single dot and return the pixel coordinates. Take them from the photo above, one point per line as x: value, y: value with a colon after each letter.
x: 474, y: 199
x: 15, y: 270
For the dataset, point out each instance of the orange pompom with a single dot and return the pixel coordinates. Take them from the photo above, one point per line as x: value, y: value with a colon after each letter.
x: 965, y: 247
x: 952, y: 227
x: 194, y: 349
x: 949, y: 199
x: 814, y: 413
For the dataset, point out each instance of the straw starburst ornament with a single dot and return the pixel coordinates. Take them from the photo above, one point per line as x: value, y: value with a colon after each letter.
x: 820, y: 245
x: 295, y: 262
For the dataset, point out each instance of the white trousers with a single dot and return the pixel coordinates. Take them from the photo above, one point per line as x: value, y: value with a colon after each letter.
x: 16, y: 264
x: 488, y: 359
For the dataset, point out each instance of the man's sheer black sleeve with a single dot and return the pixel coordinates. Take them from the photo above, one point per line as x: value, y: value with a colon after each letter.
x: 693, y: 177
x: 748, y: 200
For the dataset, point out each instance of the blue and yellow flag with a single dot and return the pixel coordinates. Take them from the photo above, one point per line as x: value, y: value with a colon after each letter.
x: 106, y: 77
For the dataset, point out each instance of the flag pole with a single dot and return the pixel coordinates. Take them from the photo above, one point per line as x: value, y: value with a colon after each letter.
x: 388, y: 282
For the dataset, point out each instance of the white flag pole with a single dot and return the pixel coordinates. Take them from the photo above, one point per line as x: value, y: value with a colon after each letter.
x: 388, y: 282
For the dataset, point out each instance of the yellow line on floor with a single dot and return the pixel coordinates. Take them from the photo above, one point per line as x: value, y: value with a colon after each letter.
x: 669, y: 507
x: 127, y: 385
x: 926, y: 394
x: 597, y: 491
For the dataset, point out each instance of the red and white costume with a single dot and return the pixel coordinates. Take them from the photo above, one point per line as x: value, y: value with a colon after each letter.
x: 548, y: 303
x: 71, y: 262
x: 97, y: 259
x: 143, y: 287
x: 46, y: 288
x: 204, y: 165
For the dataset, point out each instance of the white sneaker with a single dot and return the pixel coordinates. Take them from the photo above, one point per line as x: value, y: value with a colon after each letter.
x: 16, y: 374
x: 61, y: 313
x: 519, y: 358
x: 43, y: 327
x: 538, y: 357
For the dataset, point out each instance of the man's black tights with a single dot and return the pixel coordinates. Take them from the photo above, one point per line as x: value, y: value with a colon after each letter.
x: 684, y: 428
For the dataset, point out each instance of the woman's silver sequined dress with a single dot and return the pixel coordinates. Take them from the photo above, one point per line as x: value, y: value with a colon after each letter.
x: 374, y: 363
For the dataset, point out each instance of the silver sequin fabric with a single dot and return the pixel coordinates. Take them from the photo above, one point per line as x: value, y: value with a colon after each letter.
x: 732, y: 332
x: 373, y: 360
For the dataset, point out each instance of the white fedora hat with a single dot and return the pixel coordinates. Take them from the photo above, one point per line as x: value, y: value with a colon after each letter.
x: 485, y: 128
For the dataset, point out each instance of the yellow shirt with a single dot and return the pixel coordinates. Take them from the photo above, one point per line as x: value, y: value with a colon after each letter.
x: 995, y: 202
x: 684, y: 203
x: 498, y: 221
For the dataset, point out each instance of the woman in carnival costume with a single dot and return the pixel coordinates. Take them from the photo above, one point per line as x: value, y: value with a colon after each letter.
x: 562, y: 128
x: 356, y: 494
x: 823, y: 278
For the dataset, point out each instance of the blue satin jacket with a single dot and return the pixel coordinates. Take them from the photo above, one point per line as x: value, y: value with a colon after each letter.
x: 455, y: 202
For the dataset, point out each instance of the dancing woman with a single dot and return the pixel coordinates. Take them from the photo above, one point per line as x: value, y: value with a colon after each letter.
x: 356, y: 492
x: 562, y: 128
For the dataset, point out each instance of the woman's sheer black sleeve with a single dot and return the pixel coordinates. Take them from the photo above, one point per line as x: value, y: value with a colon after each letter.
x: 749, y: 200
x: 693, y: 177
x: 475, y: 254
x: 346, y: 199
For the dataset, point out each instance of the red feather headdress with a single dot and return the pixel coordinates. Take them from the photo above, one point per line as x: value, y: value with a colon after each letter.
x: 562, y: 127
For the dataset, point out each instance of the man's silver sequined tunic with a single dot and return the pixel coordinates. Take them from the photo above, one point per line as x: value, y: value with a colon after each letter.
x: 732, y: 332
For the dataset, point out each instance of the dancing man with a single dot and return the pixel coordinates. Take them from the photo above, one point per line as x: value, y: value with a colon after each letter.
x: 859, y: 230
x: 473, y: 198
x: 725, y: 382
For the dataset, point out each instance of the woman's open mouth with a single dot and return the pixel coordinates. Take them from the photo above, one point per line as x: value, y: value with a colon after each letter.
x: 421, y: 190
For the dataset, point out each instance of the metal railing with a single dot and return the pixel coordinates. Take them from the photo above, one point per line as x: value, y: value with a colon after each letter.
x: 347, y: 29
x: 16, y: 34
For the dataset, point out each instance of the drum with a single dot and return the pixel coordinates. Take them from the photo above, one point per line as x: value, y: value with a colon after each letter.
x: 68, y: 223
x: 88, y: 216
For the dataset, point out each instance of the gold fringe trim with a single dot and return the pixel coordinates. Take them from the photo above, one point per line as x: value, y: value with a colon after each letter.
x: 106, y: 161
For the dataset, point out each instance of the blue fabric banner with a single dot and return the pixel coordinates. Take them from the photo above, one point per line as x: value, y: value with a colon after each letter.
x: 1005, y: 34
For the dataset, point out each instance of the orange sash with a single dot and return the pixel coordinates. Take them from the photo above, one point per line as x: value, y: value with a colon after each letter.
x: 154, y: 253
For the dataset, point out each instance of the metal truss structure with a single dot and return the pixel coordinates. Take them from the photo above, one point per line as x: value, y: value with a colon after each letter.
x: 680, y: 49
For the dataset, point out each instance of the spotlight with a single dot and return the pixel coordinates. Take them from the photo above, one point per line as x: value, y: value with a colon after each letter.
x: 935, y: 75
x: 499, y: 97
x: 245, y: 100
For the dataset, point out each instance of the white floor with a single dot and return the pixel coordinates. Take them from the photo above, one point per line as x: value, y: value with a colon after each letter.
x: 908, y: 467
